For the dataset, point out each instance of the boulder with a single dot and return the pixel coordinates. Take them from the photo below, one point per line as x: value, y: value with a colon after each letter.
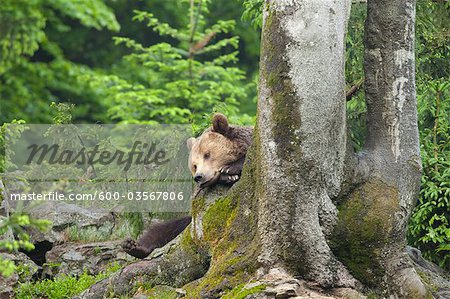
x: 63, y: 215
x: 76, y: 258
x: 25, y: 271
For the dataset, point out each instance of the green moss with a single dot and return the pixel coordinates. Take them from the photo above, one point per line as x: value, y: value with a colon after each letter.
x: 161, y: 292
x: 365, y: 226
x: 372, y: 295
x: 222, y: 277
x: 275, y: 73
x: 229, y: 232
x: 240, y: 292
x: 187, y: 243
x: 431, y: 287
x: 217, y: 218
x: 198, y: 205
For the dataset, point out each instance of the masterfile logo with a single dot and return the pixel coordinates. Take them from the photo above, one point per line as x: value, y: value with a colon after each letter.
x: 147, y: 155
x: 142, y: 167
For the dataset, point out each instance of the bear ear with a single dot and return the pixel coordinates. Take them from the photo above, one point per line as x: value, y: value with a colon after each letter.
x: 220, y: 123
x: 190, y: 143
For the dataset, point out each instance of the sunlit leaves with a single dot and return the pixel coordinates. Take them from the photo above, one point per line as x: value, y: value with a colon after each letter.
x: 253, y: 12
x: 430, y: 228
x: 21, y: 30
x: 16, y: 225
x: 27, y: 86
x: 178, y: 81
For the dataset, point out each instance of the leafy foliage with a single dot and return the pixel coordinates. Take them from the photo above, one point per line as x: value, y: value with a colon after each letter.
x: 178, y: 82
x: 48, y: 48
x: 429, y: 229
x: 33, y: 68
x: 64, y: 286
x: 16, y: 224
x: 13, y: 133
x: 253, y: 12
x: 354, y: 74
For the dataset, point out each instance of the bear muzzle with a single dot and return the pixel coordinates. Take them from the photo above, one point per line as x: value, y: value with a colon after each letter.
x: 198, y: 178
x: 204, y: 180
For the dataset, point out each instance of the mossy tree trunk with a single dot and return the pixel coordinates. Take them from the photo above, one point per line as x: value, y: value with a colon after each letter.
x: 391, y: 154
x: 300, y: 138
x: 307, y: 171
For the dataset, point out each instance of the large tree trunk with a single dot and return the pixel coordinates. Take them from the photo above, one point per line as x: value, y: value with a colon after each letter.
x: 303, y: 170
x: 307, y: 206
x: 301, y: 136
x: 391, y: 154
x: 305, y: 163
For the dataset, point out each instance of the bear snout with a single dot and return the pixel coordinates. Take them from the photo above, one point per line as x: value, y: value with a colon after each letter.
x: 198, y: 178
x: 204, y: 179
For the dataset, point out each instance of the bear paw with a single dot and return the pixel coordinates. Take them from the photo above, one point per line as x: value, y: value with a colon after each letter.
x: 231, y: 170
x: 229, y: 179
x: 134, y: 249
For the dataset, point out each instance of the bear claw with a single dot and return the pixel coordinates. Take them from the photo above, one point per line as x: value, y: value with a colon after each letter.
x: 131, y: 247
x: 128, y: 245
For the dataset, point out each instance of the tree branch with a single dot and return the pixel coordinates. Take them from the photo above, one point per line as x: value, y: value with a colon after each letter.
x: 354, y: 89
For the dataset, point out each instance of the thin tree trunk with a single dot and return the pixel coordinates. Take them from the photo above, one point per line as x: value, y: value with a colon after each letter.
x: 392, y: 143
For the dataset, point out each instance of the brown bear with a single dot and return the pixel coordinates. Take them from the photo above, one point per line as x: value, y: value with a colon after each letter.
x: 216, y: 157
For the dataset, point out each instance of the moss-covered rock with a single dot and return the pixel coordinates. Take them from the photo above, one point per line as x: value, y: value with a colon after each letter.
x: 243, y: 290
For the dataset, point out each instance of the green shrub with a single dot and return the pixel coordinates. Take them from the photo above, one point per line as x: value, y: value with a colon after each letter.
x: 64, y: 286
x: 34, y: 68
x: 182, y: 80
x: 429, y: 229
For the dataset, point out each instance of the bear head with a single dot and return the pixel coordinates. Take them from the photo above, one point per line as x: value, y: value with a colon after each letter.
x: 214, y: 150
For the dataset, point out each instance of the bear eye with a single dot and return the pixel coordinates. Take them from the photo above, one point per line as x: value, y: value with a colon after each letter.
x: 195, y: 167
x: 206, y: 156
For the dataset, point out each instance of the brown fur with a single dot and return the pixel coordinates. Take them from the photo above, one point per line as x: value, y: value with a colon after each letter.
x: 156, y: 236
x: 218, y: 155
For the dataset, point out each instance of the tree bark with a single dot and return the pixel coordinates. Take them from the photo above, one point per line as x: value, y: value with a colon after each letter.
x: 392, y: 145
x: 301, y: 136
